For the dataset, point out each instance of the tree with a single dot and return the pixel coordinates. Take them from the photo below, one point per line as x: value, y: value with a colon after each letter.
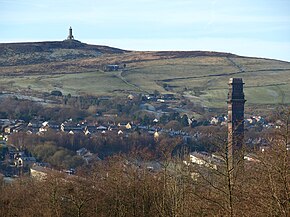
x: 274, y: 167
x: 77, y: 195
x: 56, y: 93
x: 156, y: 93
x: 174, y: 125
x: 184, y: 120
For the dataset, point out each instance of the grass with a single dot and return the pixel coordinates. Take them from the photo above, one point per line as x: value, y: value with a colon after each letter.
x: 204, y: 80
x: 93, y: 83
x: 201, y: 79
x: 178, y: 73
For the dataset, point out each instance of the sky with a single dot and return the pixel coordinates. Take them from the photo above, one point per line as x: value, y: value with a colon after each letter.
x: 257, y: 28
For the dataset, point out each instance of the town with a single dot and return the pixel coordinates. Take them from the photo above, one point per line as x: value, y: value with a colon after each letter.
x: 110, y: 126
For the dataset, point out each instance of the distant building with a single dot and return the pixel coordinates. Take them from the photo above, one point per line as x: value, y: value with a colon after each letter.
x: 128, y: 126
x: 156, y: 136
x: 110, y: 68
x: 70, y: 35
x: 130, y: 97
x: 204, y: 159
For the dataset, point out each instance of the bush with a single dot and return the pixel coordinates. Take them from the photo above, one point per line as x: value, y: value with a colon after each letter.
x: 56, y: 93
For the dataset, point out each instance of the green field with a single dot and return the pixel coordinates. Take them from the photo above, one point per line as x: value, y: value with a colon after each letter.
x: 92, y: 83
x: 206, y: 78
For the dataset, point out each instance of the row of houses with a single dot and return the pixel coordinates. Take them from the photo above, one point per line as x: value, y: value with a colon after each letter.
x: 70, y: 127
x: 159, y: 97
x: 250, y: 122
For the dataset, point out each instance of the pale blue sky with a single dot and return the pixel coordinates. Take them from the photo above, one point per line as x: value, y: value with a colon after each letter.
x: 258, y: 28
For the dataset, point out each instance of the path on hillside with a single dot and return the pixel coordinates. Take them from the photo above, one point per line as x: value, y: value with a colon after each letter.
x: 236, y: 65
x: 120, y: 76
x: 282, y: 94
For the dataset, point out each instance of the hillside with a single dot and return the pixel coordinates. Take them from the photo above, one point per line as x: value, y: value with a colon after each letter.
x: 12, y: 54
x: 77, y: 68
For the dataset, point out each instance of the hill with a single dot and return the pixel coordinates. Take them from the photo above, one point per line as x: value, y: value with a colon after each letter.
x: 77, y: 68
x: 51, y: 51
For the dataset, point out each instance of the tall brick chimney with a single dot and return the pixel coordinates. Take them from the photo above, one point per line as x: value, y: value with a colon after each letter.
x: 236, y: 101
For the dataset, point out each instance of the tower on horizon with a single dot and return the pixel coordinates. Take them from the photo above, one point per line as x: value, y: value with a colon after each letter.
x: 70, y: 35
x: 236, y: 102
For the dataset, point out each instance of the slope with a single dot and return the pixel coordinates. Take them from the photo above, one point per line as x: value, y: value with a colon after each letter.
x: 197, y: 75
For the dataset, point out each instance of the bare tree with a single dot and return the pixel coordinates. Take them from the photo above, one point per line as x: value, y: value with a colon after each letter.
x: 274, y: 168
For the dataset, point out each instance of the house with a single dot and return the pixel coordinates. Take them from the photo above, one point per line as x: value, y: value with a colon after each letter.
x: 70, y: 171
x: 87, y: 132
x: 168, y: 96
x: 112, y: 127
x: 21, y: 160
x: 130, y: 97
x: 109, y: 68
x: 44, y: 128
x: 9, y: 129
x: 81, y: 151
x: 128, y: 126
x: 13, y: 128
x: 204, y: 159
x: 251, y: 157
x: 219, y: 120
x: 25, y: 161
x: 86, y: 155
x: 6, y: 122
x: 4, y: 138
x: 142, y: 127
x: 54, y: 125
x: 110, y: 115
x: 149, y: 97
x: 35, y: 124
x: 156, y: 135
x: 18, y: 128
x: 160, y: 100
x: 102, y: 128
x: 121, y: 124
x: 90, y: 130
x: 71, y: 128
x: 155, y: 121
x: 34, y: 127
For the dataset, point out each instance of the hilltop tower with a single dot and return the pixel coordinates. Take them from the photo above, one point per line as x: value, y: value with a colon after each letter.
x: 236, y: 102
x: 70, y: 35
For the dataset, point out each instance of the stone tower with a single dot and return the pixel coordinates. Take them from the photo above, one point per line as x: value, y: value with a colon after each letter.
x: 70, y: 35
x: 236, y: 102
